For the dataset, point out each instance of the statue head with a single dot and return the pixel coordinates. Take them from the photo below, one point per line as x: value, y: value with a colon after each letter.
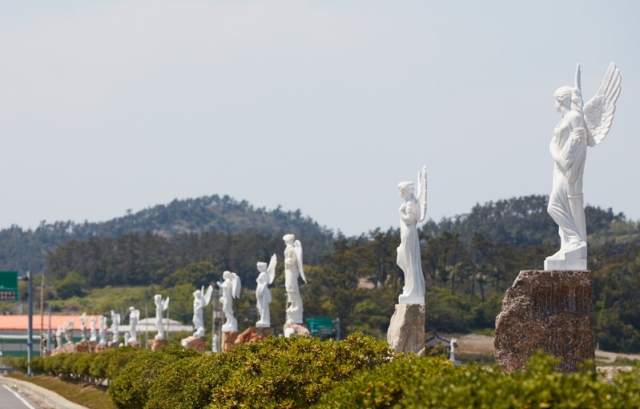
x: 197, y: 293
x: 132, y: 309
x: 289, y: 239
x: 405, y: 189
x: 568, y: 98
x: 157, y: 298
x: 226, y: 275
x: 262, y: 266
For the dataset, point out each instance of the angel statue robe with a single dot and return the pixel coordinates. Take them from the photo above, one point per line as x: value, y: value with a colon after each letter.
x: 409, y: 255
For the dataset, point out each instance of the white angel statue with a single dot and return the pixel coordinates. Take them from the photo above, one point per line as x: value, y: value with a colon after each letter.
x: 412, y: 212
x: 59, y: 332
x: 94, y: 336
x: 293, y: 270
x: 103, y: 330
x: 127, y: 338
x: 83, y: 326
x: 161, y: 306
x: 115, y: 326
x: 579, y: 127
x: 134, y: 317
x: 201, y: 299
x: 263, y: 294
x: 230, y: 287
x: 68, y: 334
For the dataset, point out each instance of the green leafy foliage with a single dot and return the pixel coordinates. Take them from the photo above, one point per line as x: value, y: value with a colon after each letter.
x: 276, y: 373
x: 435, y: 383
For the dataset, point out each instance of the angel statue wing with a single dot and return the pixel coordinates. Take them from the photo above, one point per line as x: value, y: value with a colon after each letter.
x: 297, y: 246
x: 207, y: 295
x: 598, y: 112
x: 235, y: 285
x: 271, y: 269
x: 422, y: 193
x: 165, y: 304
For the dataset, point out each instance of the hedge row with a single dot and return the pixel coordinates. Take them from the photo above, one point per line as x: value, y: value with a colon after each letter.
x: 276, y: 373
x: 435, y: 383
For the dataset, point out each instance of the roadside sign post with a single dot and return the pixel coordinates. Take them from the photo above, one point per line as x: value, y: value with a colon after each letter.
x: 320, y: 325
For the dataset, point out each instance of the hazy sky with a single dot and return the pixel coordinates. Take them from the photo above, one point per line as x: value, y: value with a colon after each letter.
x: 318, y: 105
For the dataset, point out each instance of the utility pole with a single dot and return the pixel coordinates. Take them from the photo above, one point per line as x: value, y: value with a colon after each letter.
x: 30, y: 330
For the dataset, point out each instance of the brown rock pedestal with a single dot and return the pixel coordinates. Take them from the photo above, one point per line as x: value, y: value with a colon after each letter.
x: 253, y: 334
x: 101, y: 347
x: 192, y: 342
x: 134, y: 344
x: 228, y: 341
x: 157, y: 344
x: 83, y: 346
x: 549, y: 311
x: 406, y: 330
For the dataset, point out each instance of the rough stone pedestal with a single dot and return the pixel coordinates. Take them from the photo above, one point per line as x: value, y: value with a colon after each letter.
x: 157, y: 344
x: 134, y: 344
x: 253, y: 334
x: 101, y: 347
x: 228, y: 341
x: 192, y: 342
x: 296, y: 329
x: 549, y: 311
x: 406, y: 330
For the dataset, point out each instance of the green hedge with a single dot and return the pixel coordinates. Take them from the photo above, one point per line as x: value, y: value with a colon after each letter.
x: 276, y: 373
x: 435, y: 383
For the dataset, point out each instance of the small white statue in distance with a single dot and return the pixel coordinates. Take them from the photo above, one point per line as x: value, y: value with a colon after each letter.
x: 59, y: 332
x: 293, y: 270
x: 579, y: 127
x: 263, y: 294
x: 127, y: 338
x: 83, y: 326
x: 201, y: 299
x: 94, y: 336
x: 68, y: 334
x: 161, y: 306
x: 134, y: 317
x: 412, y: 212
x: 230, y: 287
x: 115, y: 326
x: 103, y: 330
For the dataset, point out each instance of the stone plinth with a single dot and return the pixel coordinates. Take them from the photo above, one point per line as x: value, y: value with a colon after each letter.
x: 253, y: 334
x: 101, y: 347
x: 549, y: 311
x: 84, y: 346
x: 406, y: 330
x: 157, y: 344
x: 192, y: 342
x: 114, y: 344
x: 134, y: 344
x: 228, y: 341
x: 298, y: 329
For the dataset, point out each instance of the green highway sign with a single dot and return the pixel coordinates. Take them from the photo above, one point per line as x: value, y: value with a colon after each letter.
x: 8, y: 286
x: 320, y: 325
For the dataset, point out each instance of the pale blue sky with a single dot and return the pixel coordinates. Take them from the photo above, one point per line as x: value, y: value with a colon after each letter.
x: 322, y: 106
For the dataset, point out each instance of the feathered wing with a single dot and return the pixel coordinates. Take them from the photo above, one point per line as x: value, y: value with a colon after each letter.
x: 207, y: 295
x: 297, y: 246
x: 165, y: 304
x: 235, y: 285
x: 598, y: 112
x: 271, y: 269
x: 422, y: 193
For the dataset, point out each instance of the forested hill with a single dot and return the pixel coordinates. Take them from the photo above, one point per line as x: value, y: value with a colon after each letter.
x: 24, y: 250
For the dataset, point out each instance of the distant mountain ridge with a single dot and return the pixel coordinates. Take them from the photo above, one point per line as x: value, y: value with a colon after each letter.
x: 24, y: 250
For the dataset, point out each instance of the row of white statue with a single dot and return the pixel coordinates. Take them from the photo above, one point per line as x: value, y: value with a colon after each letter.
x: 582, y: 125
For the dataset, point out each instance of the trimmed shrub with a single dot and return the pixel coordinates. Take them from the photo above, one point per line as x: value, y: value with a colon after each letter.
x: 435, y: 383
x: 276, y: 373
x: 130, y: 389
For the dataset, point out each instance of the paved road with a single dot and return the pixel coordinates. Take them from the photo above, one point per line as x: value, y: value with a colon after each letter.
x: 11, y: 399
